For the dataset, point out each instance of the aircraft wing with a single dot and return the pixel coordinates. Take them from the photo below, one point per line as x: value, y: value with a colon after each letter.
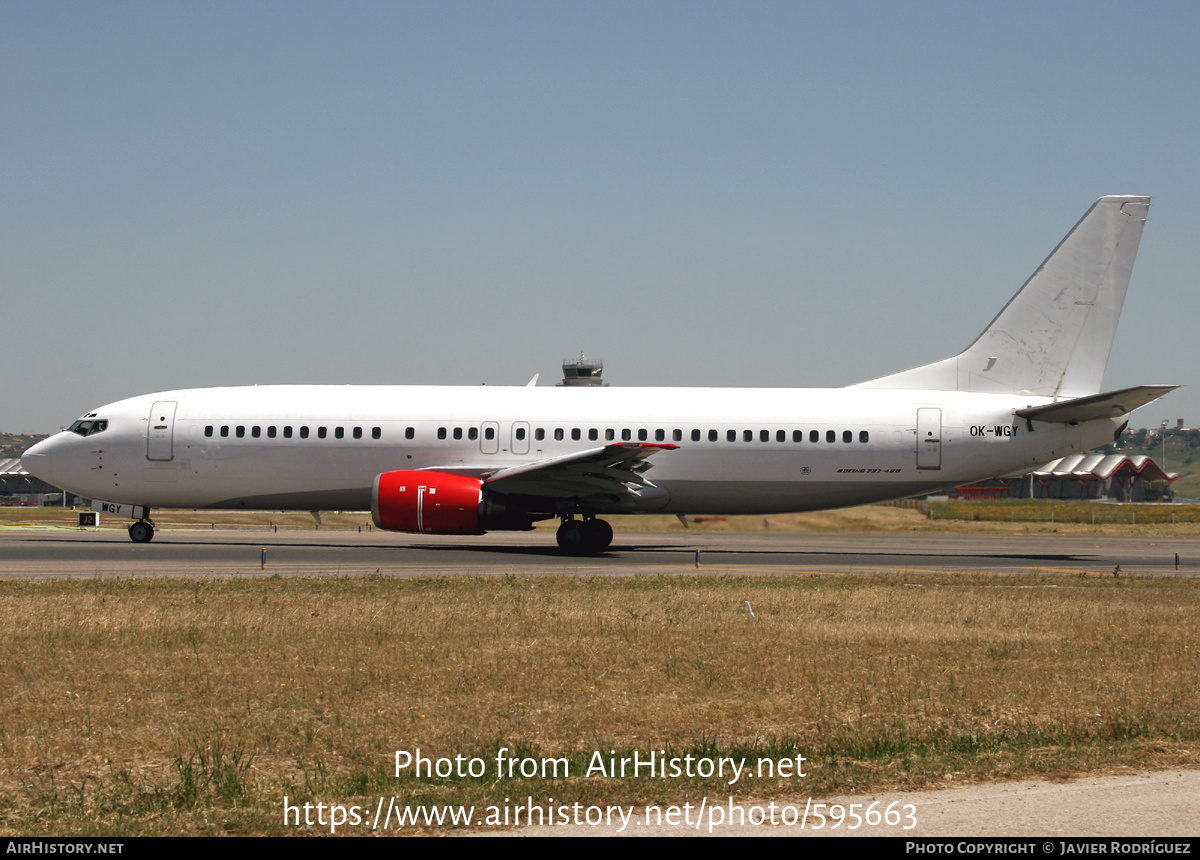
x: 1112, y: 404
x: 613, y: 470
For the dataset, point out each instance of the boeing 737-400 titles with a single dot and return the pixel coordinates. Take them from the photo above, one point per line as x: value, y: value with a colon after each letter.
x: 464, y: 460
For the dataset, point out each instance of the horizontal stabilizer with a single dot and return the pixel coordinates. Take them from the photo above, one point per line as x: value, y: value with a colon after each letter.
x: 1112, y: 404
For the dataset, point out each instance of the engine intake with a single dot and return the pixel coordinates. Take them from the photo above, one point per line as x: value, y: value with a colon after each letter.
x: 427, y: 502
x: 439, y: 503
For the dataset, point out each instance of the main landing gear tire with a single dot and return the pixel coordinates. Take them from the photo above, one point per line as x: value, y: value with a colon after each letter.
x: 584, y: 536
x: 141, y: 532
x: 602, y: 534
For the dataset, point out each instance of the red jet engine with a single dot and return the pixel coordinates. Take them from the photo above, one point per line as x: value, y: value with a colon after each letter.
x: 435, y: 503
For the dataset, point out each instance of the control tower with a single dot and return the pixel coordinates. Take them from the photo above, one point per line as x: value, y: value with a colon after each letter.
x: 582, y: 371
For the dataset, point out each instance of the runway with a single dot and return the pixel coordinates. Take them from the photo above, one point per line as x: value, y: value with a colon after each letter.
x: 66, y: 552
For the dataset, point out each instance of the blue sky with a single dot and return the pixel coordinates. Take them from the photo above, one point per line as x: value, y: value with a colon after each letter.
x: 752, y: 194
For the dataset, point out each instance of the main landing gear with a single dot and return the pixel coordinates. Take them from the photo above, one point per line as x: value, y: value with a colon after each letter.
x: 584, y: 536
x: 142, y: 531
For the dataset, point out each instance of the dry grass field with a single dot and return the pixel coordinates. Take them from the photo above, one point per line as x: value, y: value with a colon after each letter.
x: 165, y: 706
x: 1058, y: 512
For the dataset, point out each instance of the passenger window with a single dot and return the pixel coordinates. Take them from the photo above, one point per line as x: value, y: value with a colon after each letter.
x: 712, y: 435
x: 271, y: 432
x: 224, y: 430
x: 358, y: 433
x: 376, y: 432
x: 593, y: 434
x: 814, y: 435
x: 457, y: 432
x: 322, y: 432
x: 520, y: 434
x: 830, y: 435
x: 256, y: 431
x: 780, y: 435
x: 731, y: 435
x: 472, y: 433
x: 339, y: 432
x: 240, y: 431
x: 489, y: 433
x: 287, y: 431
x: 626, y: 434
x: 304, y: 432
x: 558, y: 434
x: 660, y: 435
x: 610, y: 434
x: 539, y: 434
x: 409, y: 432
x: 847, y: 436
x: 695, y: 435
x: 208, y: 430
x: 643, y: 435
x: 764, y: 435
x: 863, y: 436
x: 575, y: 434
x: 797, y: 435
x: 677, y: 435
x: 441, y: 433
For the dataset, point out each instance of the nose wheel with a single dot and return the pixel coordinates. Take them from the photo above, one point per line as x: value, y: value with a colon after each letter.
x: 584, y: 536
x: 141, y: 532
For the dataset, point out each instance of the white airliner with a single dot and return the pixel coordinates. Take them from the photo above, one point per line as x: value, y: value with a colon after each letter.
x: 463, y: 460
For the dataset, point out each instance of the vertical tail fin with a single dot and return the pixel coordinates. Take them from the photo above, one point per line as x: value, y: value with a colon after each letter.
x: 1054, y: 336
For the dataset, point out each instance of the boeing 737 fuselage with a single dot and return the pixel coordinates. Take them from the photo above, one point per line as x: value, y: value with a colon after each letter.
x: 464, y: 460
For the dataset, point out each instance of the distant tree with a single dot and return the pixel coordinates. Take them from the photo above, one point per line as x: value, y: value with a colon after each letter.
x: 16, y: 444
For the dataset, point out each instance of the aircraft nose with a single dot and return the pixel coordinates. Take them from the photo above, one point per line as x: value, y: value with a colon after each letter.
x: 39, y: 460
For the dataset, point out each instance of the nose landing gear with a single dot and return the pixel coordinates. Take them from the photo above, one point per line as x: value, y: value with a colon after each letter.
x: 142, y: 531
x: 584, y: 536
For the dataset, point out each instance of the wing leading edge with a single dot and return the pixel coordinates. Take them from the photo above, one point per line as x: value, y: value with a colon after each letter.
x: 616, y: 470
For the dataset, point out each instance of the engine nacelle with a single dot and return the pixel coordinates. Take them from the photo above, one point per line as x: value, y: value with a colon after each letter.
x: 435, y: 503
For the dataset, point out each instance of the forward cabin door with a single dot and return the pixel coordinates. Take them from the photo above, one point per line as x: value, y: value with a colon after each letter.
x: 929, y: 438
x: 160, y: 433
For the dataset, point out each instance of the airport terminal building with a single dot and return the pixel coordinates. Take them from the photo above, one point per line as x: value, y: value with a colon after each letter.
x: 19, y: 488
x: 1081, y: 477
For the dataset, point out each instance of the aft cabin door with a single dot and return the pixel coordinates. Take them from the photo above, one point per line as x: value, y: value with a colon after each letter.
x: 160, y: 433
x: 929, y: 438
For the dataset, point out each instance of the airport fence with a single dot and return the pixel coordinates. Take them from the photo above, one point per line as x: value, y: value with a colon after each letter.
x: 1046, y: 511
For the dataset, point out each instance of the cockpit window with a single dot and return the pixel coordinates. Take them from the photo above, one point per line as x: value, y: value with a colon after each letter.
x: 89, y: 426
